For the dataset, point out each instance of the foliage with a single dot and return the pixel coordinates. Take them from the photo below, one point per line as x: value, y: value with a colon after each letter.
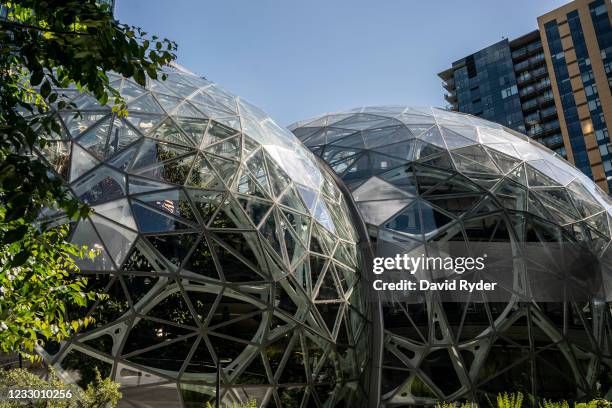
x: 553, y: 404
x: 45, y: 45
x: 34, y: 295
x: 596, y: 403
x: 512, y: 400
x: 250, y: 404
x: 101, y: 393
x: 23, y: 379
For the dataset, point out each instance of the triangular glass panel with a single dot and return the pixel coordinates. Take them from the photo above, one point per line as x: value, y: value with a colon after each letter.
x: 174, y: 248
x: 146, y: 104
x: 292, y: 200
x: 433, y: 137
x: 584, y: 200
x: 167, y: 102
x: 254, y: 373
x: 229, y: 148
x: 423, y: 150
x: 85, y: 235
x: 380, y: 137
x: 118, y: 240
x: 327, y: 289
x: 558, y: 201
x: 217, y: 132
x: 144, y: 122
x: 123, y: 160
x: 225, y: 168
x: 309, y: 196
x: 79, y: 122
x: 255, y: 208
x: 248, y: 186
x: 245, y: 267
x: 138, y: 262
x: 168, y: 131
x: 121, y: 136
x: 277, y: 177
x: 322, y: 215
x: 536, y: 178
x: 206, y: 202
x: 105, y: 184
x: 454, y: 140
x: 173, y: 309
x: 453, y: 186
x: 152, y: 152
x: 439, y: 161
x: 172, y: 171
x: 81, y: 162
x: 118, y: 211
x: 142, y: 185
x: 201, y: 262
x: 193, y: 128
x: 203, y: 176
x: 95, y: 139
x: 504, y: 162
x: 150, y: 221
x: 512, y: 196
x: 201, y: 362
x: 173, y: 202
x: 519, y: 175
x: 402, y: 178
x: 329, y: 312
x: 188, y: 110
x: 270, y: 232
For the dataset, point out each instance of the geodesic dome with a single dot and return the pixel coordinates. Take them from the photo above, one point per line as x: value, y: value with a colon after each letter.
x: 220, y: 240
x: 425, y: 175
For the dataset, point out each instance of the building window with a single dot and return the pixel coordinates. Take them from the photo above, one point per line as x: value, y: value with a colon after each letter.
x: 590, y: 90
x: 513, y: 90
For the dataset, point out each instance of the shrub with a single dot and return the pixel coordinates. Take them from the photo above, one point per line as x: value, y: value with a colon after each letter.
x: 554, y: 404
x: 512, y: 400
x: 101, y: 393
x: 596, y: 403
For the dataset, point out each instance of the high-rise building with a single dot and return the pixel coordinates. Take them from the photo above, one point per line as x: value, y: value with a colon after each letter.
x: 552, y: 84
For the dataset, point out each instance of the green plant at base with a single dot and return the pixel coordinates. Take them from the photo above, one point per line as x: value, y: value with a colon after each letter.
x: 596, y: 403
x: 554, y: 404
x: 512, y: 400
x: 101, y: 393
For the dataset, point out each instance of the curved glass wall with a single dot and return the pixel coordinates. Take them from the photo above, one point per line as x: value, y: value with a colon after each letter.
x: 220, y: 241
x: 424, y: 175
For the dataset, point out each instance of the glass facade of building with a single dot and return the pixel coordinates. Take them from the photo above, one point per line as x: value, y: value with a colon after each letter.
x: 512, y: 89
x: 559, y: 47
x: 568, y: 103
x: 485, y: 85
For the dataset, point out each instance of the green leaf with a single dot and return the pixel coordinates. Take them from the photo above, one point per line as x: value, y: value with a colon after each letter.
x: 16, y: 234
x: 37, y: 77
x: 45, y: 89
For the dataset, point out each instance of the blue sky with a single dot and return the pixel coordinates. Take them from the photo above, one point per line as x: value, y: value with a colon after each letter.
x: 297, y: 59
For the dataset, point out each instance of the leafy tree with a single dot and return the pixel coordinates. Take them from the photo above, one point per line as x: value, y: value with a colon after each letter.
x: 100, y: 393
x: 46, y: 45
